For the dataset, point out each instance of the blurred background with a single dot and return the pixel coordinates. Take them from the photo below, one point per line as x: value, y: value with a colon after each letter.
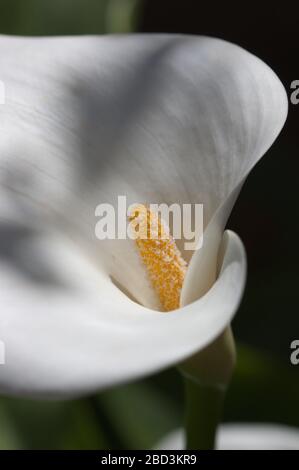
x: 265, y: 387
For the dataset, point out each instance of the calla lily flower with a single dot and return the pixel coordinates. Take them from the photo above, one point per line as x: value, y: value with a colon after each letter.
x: 159, y: 119
x: 242, y: 436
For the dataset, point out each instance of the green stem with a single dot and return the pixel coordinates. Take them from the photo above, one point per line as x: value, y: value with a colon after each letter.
x: 203, y: 412
x: 207, y: 375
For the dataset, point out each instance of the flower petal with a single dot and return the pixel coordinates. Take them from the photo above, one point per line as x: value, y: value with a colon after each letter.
x: 69, y: 330
x: 157, y: 118
x: 242, y: 436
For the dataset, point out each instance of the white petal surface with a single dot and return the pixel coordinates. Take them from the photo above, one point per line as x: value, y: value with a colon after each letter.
x: 68, y: 330
x: 156, y: 118
x: 244, y: 436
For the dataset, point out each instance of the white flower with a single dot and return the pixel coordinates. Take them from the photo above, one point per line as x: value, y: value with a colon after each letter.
x: 242, y: 436
x: 158, y: 118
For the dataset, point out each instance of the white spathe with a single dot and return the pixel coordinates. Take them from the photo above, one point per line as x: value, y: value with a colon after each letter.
x: 157, y: 118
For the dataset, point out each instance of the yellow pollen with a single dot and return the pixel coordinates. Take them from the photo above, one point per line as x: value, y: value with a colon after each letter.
x: 165, y: 266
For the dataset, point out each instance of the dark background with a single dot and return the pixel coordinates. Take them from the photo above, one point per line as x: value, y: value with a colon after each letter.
x: 265, y: 386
